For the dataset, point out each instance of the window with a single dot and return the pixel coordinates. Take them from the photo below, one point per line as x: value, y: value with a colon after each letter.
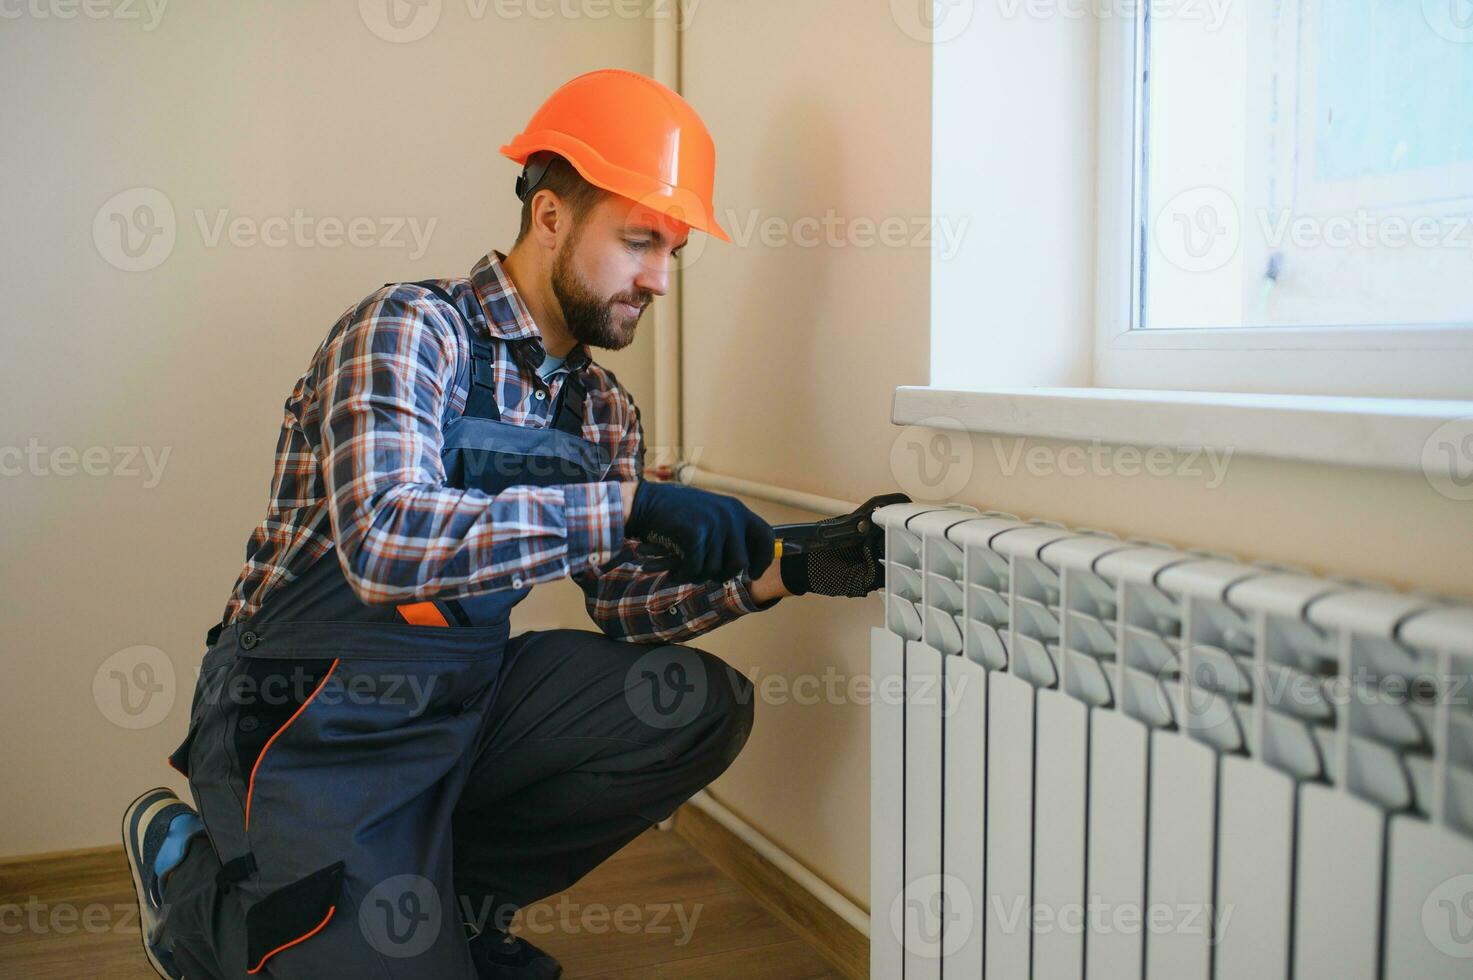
x: 1287, y: 197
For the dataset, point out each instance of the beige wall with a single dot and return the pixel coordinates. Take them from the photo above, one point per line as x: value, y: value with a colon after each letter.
x: 258, y: 109
x: 791, y: 355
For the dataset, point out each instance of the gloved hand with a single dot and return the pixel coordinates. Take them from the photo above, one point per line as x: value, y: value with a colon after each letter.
x: 852, y: 570
x: 712, y: 537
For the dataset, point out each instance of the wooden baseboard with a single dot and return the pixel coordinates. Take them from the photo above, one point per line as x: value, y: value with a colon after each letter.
x: 817, y: 924
x: 61, y: 858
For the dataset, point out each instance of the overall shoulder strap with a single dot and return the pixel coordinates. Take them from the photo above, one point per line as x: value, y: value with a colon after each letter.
x: 481, y: 400
x: 568, y: 413
x: 571, y: 405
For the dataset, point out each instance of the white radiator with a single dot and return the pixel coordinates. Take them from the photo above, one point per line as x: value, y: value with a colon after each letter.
x: 1106, y: 758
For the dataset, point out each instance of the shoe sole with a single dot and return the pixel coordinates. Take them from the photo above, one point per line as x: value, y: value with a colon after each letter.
x: 147, y: 920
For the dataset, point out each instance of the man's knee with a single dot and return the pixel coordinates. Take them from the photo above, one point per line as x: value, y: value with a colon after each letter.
x: 701, y: 706
x: 730, y: 710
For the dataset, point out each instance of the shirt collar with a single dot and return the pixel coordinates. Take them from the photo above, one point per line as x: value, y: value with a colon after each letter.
x: 507, y: 317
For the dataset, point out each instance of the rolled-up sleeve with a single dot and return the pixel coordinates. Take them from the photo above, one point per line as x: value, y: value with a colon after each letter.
x: 400, y: 533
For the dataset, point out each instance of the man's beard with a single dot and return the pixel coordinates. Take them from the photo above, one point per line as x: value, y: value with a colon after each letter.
x: 591, y: 320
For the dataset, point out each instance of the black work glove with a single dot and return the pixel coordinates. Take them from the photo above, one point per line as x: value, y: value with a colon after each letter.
x: 854, y: 570
x: 711, y: 537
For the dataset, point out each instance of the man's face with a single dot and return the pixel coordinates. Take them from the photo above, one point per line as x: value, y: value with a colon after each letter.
x: 611, y: 267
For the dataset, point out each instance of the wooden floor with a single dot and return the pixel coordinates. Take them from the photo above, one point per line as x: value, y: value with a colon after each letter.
x: 657, y: 910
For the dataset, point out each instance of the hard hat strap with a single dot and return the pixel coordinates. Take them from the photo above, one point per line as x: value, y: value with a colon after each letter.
x: 532, y: 174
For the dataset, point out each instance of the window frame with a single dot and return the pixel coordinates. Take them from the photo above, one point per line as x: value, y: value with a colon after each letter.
x: 1390, y: 361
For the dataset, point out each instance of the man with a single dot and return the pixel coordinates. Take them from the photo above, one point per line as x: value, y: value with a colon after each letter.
x: 383, y: 775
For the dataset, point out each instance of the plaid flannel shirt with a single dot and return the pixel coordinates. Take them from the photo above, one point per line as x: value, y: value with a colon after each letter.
x: 358, y: 473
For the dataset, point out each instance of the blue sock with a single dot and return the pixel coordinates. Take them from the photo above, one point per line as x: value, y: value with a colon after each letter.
x: 181, y: 831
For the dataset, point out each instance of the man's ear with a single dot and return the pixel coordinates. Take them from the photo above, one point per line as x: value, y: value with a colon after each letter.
x: 547, y: 212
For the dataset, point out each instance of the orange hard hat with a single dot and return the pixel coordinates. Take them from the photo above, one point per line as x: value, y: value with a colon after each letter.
x: 630, y: 135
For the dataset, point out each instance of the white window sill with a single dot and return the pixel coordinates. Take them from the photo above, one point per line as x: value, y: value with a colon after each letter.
x: 1390, y: 433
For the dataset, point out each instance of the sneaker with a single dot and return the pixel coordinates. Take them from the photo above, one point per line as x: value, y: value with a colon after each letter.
x: 157, y: 829
x: 501, y: 956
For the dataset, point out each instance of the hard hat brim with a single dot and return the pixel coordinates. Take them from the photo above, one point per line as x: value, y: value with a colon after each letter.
x: 673, y: 202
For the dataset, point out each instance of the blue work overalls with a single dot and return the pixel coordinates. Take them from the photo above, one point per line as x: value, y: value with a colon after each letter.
x: 329, y: 740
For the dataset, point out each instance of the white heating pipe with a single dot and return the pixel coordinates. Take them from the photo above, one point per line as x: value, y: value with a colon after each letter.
x: 690, y: 474
x: 666, y: 313
x: 783, y: 861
